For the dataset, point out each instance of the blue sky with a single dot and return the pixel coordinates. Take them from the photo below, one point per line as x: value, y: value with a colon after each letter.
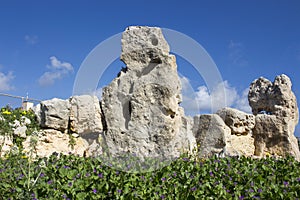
x: 43, y: 43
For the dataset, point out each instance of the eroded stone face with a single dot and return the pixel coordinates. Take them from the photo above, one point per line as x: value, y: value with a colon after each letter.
x: 239, y: 122
x: 78, y: 114
x: 275, y: 98
x: 54, y: 114
x: 211, y: 133
x: 276, y: 110
x: 141, y: 106
x: 85, y: 115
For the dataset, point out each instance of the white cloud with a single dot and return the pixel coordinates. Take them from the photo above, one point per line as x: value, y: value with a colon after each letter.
x: 242, y: 102
x: 31, y: 39
x: 5, y: 81
x: 236, y: 53
x: 201, y: 100
x: 58, y: 70
x: 56, y: 64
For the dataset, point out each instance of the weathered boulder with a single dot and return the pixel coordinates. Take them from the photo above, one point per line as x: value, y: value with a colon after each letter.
x: 275, y: 98
x: 239, y: 122
x: 53, y: 114
x: 141, y: 106
x: 274, y: 130
x: 78, y: 114
x: 272, y: 136
x: 212, y: 135
x: 85, y: 115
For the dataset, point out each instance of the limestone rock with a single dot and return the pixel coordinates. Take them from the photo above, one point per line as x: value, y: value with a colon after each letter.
x: 272, y: 136
x: 211, y: 133
x: 78, y: 114
x: 142, y: 45
x: 50, y: 141
x: 275, y: 98
x: 243, y: 144
x: 85, y: 115
x: 239, y: 122
x: 274, y: 131
x: 94, y: 149
x: 53, y: 114
x: 141, y: 106
x: 20, y: 131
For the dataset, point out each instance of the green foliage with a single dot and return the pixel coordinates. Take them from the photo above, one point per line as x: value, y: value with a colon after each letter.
x: 72, y: 141
x: 73, y: 177
x: 7, y: 119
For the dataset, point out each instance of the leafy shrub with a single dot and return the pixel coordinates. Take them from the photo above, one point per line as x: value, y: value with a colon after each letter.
x: 7, y: 118
x: 73, y: 177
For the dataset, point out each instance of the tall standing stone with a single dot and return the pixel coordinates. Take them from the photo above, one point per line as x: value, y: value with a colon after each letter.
x: 141, y: 106
x: 276, y: 110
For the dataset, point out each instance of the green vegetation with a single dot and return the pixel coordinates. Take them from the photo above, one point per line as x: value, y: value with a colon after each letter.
x: 73, y: 177
x: 9, y: 116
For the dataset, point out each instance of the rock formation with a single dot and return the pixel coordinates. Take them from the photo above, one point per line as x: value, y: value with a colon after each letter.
x: 54, y: 114
x: 239, y: 122
x: 78, y: 114
x: 211, y: 133
x: 85, y: 117
x: 274, y: 129
x: 141, y: 106
x: 140, y: 114
x: 49, y: 141
x: 79, y: 117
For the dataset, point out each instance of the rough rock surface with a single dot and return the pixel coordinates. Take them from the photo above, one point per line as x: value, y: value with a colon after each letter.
x: 274, y: 132
x: 212, y: 135
x: 50, y: 141
x: 54, y: 114
x: 141, y: 106
x: 85, y: 115
x: 276, y: 98
x: 239, y: 122
x: 78, y: 114
x: 243, y: 144
x: 272, y: 136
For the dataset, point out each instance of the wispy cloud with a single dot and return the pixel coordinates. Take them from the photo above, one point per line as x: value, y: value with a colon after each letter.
x: 57, y: 70
x: 5, y: 81
x: 236, y: 53
x: 200, y: 101
x: 242, y: 102
x: 31, y: 39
